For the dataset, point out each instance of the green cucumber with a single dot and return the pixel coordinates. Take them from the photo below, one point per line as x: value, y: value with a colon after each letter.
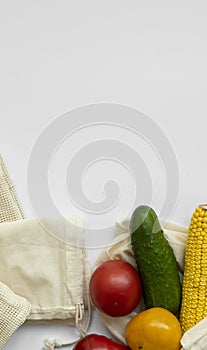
x: 155, y: 260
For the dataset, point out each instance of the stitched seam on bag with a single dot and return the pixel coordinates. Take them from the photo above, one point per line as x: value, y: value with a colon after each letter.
x: 65, y: 247
x: 29, y: 245
x: 60, y: 309
x: 78, y: 293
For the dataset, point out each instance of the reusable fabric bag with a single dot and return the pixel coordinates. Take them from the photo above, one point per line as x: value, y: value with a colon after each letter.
x: 45, y: 262
x: 120, y: 248
x: 14, y: 309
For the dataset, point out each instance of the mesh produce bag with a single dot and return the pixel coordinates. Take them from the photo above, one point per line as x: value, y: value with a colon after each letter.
x: 10, y: 208
x: 13, y: 313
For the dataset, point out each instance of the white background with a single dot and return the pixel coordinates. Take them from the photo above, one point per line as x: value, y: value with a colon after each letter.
x: 58, y: 55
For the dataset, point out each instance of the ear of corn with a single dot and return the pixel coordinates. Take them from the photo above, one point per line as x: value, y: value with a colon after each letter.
x: 194, y: 290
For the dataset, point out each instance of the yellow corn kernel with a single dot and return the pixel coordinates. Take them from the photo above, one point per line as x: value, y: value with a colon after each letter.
x: 194, y: 290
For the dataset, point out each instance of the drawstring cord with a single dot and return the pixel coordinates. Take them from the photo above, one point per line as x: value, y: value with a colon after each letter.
x: 78, y: 319
x: 52, y: 344
x: 56, y: 343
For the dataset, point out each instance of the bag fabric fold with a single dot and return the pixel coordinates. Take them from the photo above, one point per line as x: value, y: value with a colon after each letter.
x: 45, y: 272
x: 50, y: 272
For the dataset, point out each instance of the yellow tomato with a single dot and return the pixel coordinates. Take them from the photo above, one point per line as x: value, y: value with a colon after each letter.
x: 155, y: 328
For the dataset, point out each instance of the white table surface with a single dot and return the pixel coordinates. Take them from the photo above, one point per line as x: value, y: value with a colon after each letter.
x: 60, y: 55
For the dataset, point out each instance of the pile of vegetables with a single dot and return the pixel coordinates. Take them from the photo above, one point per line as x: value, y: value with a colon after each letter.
x: 171, y: 307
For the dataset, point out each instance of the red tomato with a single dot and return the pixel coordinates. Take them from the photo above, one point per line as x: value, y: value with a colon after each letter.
x: 115, y: 288
x: 98, y: 342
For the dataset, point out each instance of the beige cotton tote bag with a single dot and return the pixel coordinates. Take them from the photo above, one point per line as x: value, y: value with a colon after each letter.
x: 44, y: 263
